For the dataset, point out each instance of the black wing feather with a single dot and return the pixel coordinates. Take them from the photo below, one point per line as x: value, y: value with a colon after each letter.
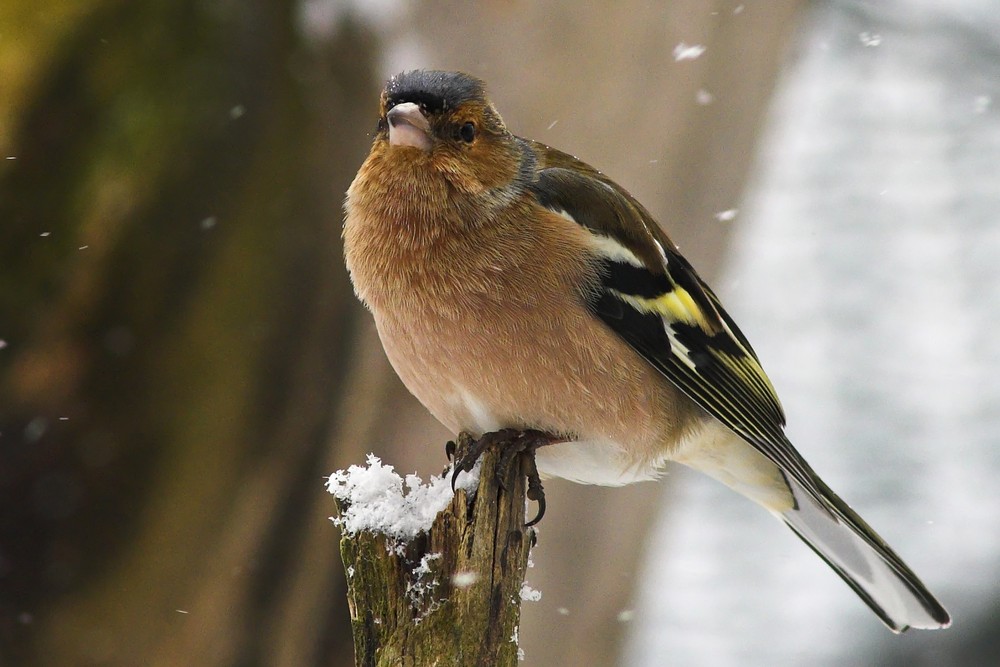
x: 710, y: 360
x: 656, y: 302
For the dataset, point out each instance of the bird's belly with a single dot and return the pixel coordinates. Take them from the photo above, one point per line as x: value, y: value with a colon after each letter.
x: 545, y: 367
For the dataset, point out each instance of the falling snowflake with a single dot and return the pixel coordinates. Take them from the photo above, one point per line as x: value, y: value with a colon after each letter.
x: 684, y: 52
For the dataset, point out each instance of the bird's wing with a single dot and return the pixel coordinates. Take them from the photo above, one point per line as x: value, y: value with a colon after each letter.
x: 651, y: 297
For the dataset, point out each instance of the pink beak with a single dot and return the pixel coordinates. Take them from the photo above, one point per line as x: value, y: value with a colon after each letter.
x: 408, y: 126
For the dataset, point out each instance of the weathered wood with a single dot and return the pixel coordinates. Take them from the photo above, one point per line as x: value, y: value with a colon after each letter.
x: 452, y: 595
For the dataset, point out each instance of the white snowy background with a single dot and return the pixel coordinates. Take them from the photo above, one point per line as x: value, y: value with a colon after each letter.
x: 866, y: 271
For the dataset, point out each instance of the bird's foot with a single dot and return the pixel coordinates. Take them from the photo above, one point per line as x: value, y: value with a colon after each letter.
x: 515, y: 444
x: 466, y: 450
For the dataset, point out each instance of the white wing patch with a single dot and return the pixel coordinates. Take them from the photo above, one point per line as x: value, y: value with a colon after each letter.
x: 662, y: 252
x: 677, y: 348
x: 564, y: 213
x: 606, y: 246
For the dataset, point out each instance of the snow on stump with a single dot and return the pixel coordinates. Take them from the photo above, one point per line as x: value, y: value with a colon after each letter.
x: 433, y: 578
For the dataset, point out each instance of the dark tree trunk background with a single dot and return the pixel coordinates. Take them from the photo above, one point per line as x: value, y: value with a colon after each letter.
x: 182, y: 357
x: 177, y: 323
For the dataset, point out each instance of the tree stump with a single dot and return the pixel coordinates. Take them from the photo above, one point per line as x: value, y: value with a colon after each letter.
x: 451, y: 595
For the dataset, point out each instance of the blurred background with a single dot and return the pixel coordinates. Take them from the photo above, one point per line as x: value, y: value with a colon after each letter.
x: 182, y: 360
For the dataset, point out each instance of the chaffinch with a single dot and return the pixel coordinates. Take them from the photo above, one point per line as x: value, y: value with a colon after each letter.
x: 515, y: 287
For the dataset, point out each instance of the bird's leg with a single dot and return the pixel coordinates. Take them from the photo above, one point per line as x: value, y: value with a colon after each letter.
x: 466, y: 450
x: 523, y: 447
x: 528, y: 444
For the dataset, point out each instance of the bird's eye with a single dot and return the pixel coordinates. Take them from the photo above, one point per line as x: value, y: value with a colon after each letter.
x: 467, y: 132
x: 382, y: 125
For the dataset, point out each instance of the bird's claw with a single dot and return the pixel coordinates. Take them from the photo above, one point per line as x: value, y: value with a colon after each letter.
x: 466, y: 451
x: 535, y: 491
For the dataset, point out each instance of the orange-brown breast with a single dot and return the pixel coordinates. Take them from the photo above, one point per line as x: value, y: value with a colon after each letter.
x: 486, y: 325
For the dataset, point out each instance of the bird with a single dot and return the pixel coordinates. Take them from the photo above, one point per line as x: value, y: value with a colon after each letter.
x: 517, y: 289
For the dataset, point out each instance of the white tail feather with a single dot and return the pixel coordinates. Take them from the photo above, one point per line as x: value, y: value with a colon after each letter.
x: 874, y: 571
x: 835, y: 532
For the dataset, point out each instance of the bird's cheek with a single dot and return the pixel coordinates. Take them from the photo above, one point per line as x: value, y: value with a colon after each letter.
x: 493, y: 169
x: 458, y: 174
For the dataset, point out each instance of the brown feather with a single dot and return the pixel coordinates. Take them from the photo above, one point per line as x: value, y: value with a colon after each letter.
x: 489, y: 305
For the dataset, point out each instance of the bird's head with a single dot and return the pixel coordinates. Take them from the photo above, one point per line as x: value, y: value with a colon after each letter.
x: 443, y: 122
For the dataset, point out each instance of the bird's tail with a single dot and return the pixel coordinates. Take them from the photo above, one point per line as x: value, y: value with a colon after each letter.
x: 862, y: 559
x: 832, y: 529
